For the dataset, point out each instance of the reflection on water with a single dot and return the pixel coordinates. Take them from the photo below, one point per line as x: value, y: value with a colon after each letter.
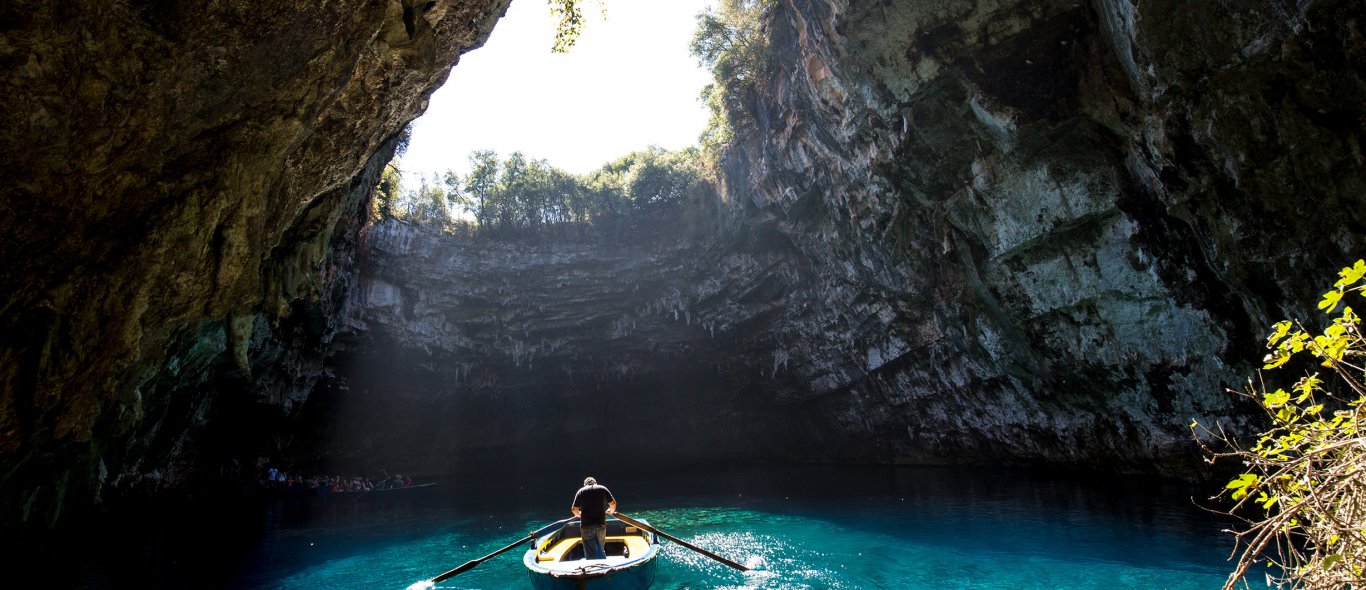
x: 798, y: 527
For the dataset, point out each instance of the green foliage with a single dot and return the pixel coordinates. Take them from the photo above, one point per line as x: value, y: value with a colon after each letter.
x: 481, y: 185
x: 732, y: 43
x: 522, y: 197
x: 1306, y: 474
x: 389, y: 191
x: 519, y: 195
x: 570, y: 26
x: 455, y: 198
x: 404, y: 138
x: 428, y: 204
x: 654, y: 187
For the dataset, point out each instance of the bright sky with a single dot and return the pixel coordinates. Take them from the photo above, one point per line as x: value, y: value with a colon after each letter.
x: 628, y: 83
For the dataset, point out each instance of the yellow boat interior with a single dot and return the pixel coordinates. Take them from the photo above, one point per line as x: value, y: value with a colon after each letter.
x: 623, y: 541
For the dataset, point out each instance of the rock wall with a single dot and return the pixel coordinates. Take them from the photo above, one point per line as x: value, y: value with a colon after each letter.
x: 1051, y: 230
x: 177, y: 177
x: 991, y: 231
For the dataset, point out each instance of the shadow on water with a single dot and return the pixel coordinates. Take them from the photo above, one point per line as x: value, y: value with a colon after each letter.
x: 803, y: 526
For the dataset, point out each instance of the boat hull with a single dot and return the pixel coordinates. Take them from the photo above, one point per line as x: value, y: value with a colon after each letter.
x: 638, y: 577
x: 556, y: 561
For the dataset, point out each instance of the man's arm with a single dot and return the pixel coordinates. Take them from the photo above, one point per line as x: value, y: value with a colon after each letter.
x: 575, y: 510
x: 612, y: 507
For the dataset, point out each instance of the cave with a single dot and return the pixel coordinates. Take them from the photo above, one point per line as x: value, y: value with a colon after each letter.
x: 986, y: 233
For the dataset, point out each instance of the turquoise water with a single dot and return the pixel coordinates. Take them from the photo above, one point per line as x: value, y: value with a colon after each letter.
x: 798, y: 528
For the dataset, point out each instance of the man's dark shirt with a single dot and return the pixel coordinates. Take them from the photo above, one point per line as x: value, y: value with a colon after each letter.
x: 592, y: 502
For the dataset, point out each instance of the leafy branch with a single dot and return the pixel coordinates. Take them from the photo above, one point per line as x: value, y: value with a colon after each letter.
x: 1302, y: 499
x: 571, y: 23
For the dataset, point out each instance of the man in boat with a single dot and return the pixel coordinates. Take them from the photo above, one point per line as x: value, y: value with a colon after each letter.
x: 592, y: 504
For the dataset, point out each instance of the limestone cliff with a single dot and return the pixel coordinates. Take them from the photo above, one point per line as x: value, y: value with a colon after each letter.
x: 1045, y: 232
x: 1052, y: 230
x: 176, y: 178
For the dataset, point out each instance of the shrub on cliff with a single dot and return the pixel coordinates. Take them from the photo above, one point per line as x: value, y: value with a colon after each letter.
x: 1302, y: 497
x: 731, y: 42
x: 389, y: 192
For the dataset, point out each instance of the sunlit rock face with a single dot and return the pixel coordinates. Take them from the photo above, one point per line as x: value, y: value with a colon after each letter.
x: 1050, y: 230
x: 181, y: 184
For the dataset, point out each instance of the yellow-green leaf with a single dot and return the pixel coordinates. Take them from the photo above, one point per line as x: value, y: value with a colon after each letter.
x: 1330, y: 300
x: 1285, y: 415
x: 1275, y: 359
x: 1308, y: 384
x: 1281, y: 329
x: 1240, y: 486
x: 1351, y: 274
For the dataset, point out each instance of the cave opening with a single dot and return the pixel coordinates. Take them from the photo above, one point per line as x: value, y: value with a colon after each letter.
x: 528, y: 295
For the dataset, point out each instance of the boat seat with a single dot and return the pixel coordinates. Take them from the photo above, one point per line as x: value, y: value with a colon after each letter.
x: 635, y: 544
x: 558, y: 552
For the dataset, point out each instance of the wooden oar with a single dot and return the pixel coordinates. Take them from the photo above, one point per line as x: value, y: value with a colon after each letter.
x: 637, y: 523
x: 469, y: 565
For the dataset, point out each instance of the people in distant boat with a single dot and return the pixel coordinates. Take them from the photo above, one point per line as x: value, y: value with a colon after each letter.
x: 394, y: 481
x: 592, y: 504
x: 272, y: 476
x: 360, y: 484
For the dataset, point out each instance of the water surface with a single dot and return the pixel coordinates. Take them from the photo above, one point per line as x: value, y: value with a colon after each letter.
x: 798, y: 527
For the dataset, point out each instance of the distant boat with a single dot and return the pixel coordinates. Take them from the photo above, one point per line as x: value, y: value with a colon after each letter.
x: 303, y: 491
x: 556, y: 562
x: 383, y: 492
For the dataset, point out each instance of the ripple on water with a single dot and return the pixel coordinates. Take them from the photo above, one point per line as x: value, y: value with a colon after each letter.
x: 799, y: 552
x: 775, y: 563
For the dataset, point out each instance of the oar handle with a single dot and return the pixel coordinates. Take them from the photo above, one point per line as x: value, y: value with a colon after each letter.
x: 637, y: 523
x: 559, y: 523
